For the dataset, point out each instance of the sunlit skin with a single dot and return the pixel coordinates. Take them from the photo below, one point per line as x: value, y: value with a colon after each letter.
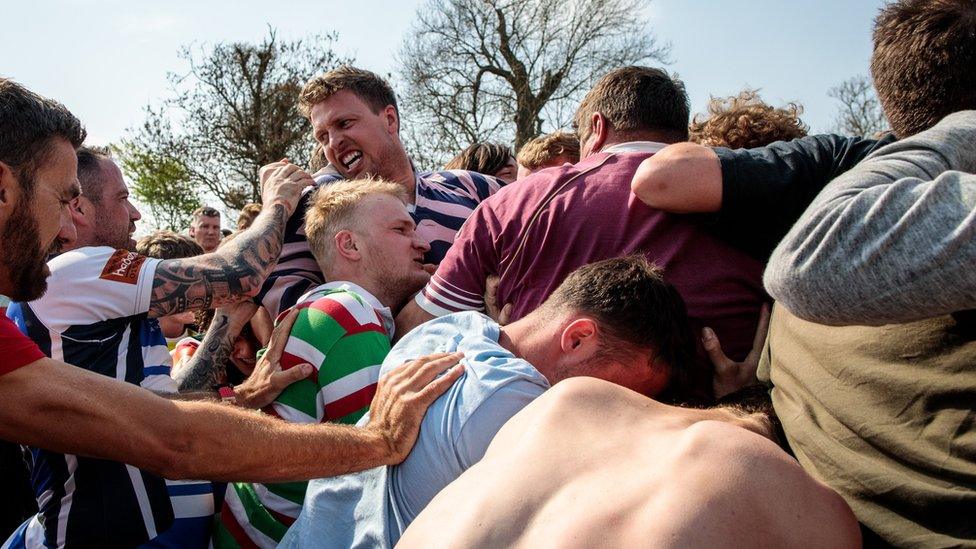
x: 110, y: 218
x: 359, y: 142
x: 206, y: 231
x: 55, y: 187
x: 384, y: 254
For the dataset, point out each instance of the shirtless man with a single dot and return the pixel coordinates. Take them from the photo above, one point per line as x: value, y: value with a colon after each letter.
x: 593, y: 464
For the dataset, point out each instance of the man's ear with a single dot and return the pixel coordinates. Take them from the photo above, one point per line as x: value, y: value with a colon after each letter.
x: 392, y: 119
x: 579, y: 336
x: 80, y: 207
x: 9, y: 186
x: 599, y: 128
x: 346, y: 245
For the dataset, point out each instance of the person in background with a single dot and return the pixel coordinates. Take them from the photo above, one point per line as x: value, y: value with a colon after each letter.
x: 486, y: 158
x: 170, y: 245
x: 205, y: 228
x: 744, y: 121
x: 247, y: 215
x: 546, y: 151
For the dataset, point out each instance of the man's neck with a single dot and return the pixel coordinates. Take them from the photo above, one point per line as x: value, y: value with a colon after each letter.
x: 402, y: 172
x: 527, y: 338
x: 374, y: 289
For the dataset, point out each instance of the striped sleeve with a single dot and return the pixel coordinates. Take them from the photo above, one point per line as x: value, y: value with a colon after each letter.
x: 296, y: 270
x: 343, y: 338
x: 459, y: 282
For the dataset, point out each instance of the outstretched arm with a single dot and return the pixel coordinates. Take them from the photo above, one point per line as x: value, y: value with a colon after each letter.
x: 238, y: 269
x: 89, y: 414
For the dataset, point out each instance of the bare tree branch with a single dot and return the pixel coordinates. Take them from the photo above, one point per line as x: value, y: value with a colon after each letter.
x: 505, y: 70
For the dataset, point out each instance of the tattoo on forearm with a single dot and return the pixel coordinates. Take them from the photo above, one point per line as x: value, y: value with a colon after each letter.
x: 210, y: 360
x: 223, y: 277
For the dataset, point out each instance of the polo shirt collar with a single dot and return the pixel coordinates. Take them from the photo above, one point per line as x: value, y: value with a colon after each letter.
x: 635, y: 146
x: 386, y: 315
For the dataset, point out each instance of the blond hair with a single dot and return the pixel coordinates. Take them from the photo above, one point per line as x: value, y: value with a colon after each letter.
x: 333, y: 209
x: 541, y: 151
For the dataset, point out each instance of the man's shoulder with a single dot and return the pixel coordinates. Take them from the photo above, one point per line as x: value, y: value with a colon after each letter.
x: 347, y: 308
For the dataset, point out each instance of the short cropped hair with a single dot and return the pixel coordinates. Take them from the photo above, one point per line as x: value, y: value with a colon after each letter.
x: 90, y: 171
x: 922, y: 49
x: 205, y: 211
x: 745, y: 121
x: 637, y: 309
x: 247, y: 215
x: 543, y: 150
x: 368, y: 86
x: 168, y: 245
x: 333, y: 209
x: 28, y: 124
x: 637, y: 99
x: 484, y: 158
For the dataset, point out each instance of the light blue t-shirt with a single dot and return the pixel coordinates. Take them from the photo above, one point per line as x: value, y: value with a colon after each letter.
x: 374, y: 507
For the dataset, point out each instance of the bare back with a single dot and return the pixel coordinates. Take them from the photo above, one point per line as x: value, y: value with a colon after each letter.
x: 593, y: 464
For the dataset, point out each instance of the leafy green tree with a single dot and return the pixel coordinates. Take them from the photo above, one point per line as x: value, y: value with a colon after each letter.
x: 161, y: 182
x: 234, y: 111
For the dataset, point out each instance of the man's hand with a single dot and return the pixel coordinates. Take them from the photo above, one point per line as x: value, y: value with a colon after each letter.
x: 267, y: 381
x: 500, y: 315
x: 730, y: 376
x: 402, y: 398
x: 283, y: 182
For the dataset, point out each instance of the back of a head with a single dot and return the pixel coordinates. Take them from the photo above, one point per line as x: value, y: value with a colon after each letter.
x: 247, y: 216
x: 333, y: 208
x: 90, y: 170
x: 545, y: 149
x: 637, y: 309
x: 483, y: 158
x: 637, y: 100
x: 367, y: 85
x: 922, y: 65
x: 168, y: 245
x: 28, y: 123
x: 744, y: 121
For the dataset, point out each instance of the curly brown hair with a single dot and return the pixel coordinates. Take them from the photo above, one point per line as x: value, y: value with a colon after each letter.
x: 746, y: 121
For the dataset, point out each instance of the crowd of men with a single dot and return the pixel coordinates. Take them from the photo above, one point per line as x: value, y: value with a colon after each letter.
x: 653, y: 330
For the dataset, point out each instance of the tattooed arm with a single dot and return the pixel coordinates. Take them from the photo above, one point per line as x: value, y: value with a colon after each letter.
x: 205, y: 367
x: 237, y: 270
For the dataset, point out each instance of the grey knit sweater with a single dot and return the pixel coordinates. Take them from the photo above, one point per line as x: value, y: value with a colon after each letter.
x: 892, y: 240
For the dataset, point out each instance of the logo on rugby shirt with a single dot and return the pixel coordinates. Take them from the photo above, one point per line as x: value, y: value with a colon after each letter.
x: 123, y: 266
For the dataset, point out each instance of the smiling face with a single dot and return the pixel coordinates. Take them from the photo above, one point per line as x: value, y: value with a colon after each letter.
x: 356, y: 140
x: 392, y: 252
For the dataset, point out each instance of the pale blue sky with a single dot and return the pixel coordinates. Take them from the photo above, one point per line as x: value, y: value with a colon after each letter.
x: 105, y: 59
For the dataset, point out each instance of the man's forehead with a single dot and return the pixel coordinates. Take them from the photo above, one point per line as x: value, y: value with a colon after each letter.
x: 342, y: 103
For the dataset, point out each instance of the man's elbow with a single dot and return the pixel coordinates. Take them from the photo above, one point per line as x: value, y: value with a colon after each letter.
x: 650, y: 183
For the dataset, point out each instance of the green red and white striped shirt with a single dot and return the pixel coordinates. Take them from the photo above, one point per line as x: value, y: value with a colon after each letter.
x: 345, y: 333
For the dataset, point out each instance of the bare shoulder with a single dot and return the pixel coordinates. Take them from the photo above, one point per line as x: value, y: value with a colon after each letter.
x: 727, y: 465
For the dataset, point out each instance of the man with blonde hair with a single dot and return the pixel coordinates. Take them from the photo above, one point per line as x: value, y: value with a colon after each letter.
x: 546, y: 151
x: 366, y: 244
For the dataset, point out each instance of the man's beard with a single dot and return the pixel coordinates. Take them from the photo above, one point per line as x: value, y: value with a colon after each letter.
x: 23, y: 258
